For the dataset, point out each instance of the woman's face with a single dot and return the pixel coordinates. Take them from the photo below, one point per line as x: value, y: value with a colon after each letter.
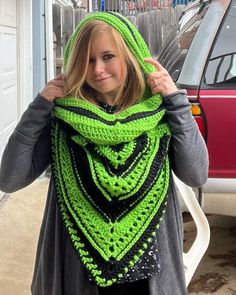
x: 106, y: 70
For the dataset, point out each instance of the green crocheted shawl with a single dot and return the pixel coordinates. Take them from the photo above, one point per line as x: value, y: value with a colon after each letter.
x: 111, y: 172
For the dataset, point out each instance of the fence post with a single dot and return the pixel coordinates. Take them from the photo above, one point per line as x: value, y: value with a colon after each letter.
x: 79, y: 14
x: 155, y: 35
x: 142, y: 25
x: 168, y: 22
x: 57, y: 28
x: 67, y: 24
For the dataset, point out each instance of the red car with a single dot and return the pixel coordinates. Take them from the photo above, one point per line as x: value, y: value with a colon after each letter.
x: 201, y: 58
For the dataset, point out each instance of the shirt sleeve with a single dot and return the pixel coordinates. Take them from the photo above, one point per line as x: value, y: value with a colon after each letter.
x: 27, y: 152
x: 188, y: 151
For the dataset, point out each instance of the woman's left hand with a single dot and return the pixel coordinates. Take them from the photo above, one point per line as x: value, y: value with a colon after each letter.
x: 160, y: 81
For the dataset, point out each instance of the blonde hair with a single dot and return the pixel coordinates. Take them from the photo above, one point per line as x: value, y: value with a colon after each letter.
x: 132, y: 86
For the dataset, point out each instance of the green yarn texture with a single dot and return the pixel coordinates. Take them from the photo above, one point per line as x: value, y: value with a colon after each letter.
x: 111, y: 172
x: 127, y: 30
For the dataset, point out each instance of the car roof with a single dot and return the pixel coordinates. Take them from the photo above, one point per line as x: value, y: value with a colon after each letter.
x: 195, y: 60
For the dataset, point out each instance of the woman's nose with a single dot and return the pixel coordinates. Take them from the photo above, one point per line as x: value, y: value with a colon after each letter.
x: 99, y: 67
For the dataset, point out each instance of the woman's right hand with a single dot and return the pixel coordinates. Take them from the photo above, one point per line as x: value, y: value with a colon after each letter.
x: 54, y: 88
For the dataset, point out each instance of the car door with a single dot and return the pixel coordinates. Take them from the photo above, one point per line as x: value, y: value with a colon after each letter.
x: 217, y: 97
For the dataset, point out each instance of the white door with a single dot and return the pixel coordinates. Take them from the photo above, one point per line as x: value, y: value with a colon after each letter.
x: 8, y: 70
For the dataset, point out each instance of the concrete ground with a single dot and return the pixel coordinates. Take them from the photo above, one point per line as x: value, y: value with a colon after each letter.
x: 216, y: 274
x: 20, y: 219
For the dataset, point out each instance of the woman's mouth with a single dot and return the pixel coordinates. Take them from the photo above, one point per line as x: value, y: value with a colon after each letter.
x: 101, y: 79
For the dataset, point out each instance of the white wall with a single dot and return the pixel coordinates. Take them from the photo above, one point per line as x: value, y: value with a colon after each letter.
x: 24, y: 54
x: 8, y: 70
x: 49, y: 40
x: 15, y: 64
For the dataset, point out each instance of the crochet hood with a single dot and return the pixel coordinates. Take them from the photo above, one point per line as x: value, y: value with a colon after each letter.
x: 128, y: 31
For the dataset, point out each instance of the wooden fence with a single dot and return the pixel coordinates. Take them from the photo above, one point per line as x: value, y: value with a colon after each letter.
x: 130, y: 7
x: 65, y: 20
x: 154, y: 25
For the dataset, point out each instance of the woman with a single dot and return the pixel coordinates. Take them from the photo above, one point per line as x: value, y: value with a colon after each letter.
x: 112, y: 223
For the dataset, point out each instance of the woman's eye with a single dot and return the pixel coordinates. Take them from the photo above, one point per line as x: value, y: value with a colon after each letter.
x: 108, y: 56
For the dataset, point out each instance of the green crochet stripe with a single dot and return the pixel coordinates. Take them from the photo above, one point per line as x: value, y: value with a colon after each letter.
x: 118, y: 127
x: 74, y: 202
x: 116, y: 158
x: 89, y: 219
x: 146, y: 105
x: 131, y: 181
x: 118, y: 186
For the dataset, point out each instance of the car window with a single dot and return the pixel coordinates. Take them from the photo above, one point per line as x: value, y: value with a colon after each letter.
x: 221, y: 67
x: 187, y: 16
x: 174, y: 51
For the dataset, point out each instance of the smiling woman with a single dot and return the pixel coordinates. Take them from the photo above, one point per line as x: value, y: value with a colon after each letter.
x: 109, y: 66
x: 112, y: 128
x: 106, y: 72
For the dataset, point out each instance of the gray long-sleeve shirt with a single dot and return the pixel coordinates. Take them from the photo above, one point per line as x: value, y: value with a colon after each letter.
x: 57, y: 268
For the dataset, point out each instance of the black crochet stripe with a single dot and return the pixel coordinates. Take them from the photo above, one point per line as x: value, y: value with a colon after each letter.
x: 126, y: 168
x: 92, y: 115
x: 81, y: 160
x: 124, y: 21
x: 92, y: 190
x: 156, y: 166
x: 118, y: 147
x: 69, y: 131
x: 115, y: 209
x: 112, y: 268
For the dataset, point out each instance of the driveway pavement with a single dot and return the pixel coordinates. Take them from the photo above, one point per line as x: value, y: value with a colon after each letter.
x: 216, y: 274
x: 20, y: 219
